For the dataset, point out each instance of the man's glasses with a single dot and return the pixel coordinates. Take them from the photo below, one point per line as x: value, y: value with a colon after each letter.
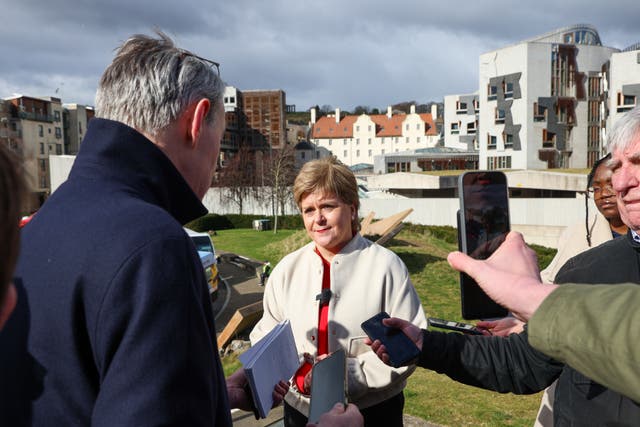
x: 214, y: 65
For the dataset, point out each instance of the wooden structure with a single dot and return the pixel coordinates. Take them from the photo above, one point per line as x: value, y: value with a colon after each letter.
x: 243, y: 318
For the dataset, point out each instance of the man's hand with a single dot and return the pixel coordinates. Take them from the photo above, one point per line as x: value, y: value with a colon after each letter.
x: 340, y: 416
x: 240, y: 397
x: 409, y: 329
x: 501, y: 327
x: 510, y: 276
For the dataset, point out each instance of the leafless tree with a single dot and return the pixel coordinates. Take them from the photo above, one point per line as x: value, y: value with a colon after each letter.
x: 279, y: 175
x: 238, y: 178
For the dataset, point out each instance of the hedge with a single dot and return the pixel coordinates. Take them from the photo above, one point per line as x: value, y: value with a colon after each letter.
x: 211, y: 222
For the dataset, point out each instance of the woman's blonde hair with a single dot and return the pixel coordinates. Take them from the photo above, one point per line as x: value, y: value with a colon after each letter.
x: 328, y: 176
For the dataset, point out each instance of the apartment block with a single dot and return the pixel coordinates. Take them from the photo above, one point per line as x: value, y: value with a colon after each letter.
x: 265, y: 123
x: 38, y: 124
x: 76, y: 119
x: 358, y: 139
x: 461, y: 114
x: 535, y: 97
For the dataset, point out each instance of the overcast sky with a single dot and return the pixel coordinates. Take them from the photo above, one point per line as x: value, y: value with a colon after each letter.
x: 341, y: 53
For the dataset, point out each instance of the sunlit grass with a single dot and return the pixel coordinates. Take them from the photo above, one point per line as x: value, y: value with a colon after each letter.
x: 428, y: 395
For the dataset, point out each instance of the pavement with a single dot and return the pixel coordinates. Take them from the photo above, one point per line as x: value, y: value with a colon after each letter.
x: 240, y: 286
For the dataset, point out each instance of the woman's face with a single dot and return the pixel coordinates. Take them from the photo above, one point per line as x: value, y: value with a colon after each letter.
x: 328, y: 222
x: 603, y: 194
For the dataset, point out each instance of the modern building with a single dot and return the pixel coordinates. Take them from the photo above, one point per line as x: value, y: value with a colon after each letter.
x: 38, y: 124
x: 76, y: 119
x: 621, y: 85
x: 461, y: 114
x: 358, y: 139
x: 265, y: 125
x: 535, y: 101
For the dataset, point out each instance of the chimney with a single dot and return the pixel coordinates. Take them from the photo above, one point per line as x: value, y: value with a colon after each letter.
x: 412, y: 109
x: 313, y: 115
x: 434, y: 111
x: 337, y: 115
x: 389, y: 112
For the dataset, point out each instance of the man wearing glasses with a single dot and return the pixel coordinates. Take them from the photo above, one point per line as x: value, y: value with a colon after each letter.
x: 119, y: 323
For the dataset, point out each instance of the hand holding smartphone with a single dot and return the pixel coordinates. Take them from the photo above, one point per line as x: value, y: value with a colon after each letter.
x: 402, y: 351
x: 483, y: 224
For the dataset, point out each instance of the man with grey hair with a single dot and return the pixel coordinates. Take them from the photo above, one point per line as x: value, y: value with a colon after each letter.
x: 120, y: 327
x: 510, y: 364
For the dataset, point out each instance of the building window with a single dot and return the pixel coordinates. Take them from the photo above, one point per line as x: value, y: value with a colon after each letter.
x: 492, y: 92
x: 539, y: 112
x: 548, y: 139
x: 56, y: 115
x: 344, y: 154
x: 369, y: 153
x: 369, y: 128
x: 418, y: 140
x: 508, y: 140
x: 625, y: 102
x: 58, y: 133
x: 508, y: 91
x: 302, y: 153
x: 80, y: 128
x: 41, y: 148
x: 406, y: 139
x: 455, y: 128
x: 40, y: 131
x: 471, y: 128
x: 369, y: 141
x: 344, y: 141
x: 417, y: 126
x: 357, y: 153
x: 499, y: 162
x: 58, y: 149
x: 357, y: 141
x: 407, y: 127
x: 499, y: 115
x: 461, y: 107
x: 357, y: 128
x: 330, y: 142
x: 491, y: 142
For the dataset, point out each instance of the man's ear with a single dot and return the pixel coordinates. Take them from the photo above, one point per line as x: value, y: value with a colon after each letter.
x: 200, y: 112
x: 10, y: 300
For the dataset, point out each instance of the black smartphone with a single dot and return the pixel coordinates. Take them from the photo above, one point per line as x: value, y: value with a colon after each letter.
x: 402, y: 351
x: 483, y: 224
x: 466, y: 328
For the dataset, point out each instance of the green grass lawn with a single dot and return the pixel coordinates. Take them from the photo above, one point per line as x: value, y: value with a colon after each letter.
x: 429, y: 395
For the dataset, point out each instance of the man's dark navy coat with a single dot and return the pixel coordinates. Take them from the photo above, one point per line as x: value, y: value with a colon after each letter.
x: 120, y: 328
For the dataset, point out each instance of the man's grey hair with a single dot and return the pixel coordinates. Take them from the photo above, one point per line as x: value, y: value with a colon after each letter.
x: 151, y: 82
x: 624, y: 131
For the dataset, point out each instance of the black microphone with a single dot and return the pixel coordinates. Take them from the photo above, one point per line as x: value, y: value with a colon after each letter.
x: 324, y: 296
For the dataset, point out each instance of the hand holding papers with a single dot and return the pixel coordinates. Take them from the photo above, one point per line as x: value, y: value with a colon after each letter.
x: 270, y: 360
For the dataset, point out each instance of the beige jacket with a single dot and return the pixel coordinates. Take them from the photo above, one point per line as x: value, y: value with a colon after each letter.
x: 573, y: 241
x: 365, y: 279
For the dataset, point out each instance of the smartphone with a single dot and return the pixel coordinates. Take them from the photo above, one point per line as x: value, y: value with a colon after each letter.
x: 466, y: 328
x: 402, y: 351
x: 328, y: 385
x: 483, y: 224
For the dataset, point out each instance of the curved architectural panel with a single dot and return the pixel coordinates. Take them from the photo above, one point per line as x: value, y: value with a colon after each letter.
x: 575, y: 34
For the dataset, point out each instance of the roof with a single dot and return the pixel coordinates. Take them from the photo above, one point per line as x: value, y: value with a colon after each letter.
x: 304, y: 145
x: 326, y: 126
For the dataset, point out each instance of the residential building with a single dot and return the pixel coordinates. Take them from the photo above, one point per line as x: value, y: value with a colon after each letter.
x: 461, y: 114
x: 621, y: 82
x: 358, y: 139
x: 38, y: 122
x: 76, y: 119
x: 534, y: 101
x: 264, y: 111
x: 235, y: 123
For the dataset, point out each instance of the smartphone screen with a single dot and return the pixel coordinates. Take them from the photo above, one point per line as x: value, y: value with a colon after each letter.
x: 400, y: 348
x: 483, y: 224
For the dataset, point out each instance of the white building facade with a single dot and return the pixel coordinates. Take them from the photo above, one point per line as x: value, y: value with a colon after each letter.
x: 535, y: 99
x: 460, y: 128
x: 358, y: 139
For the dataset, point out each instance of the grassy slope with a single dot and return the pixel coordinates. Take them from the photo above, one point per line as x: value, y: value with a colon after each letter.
x: 429, y: 395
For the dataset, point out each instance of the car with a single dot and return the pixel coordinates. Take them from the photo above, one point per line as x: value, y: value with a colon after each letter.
x: 207, y: 253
